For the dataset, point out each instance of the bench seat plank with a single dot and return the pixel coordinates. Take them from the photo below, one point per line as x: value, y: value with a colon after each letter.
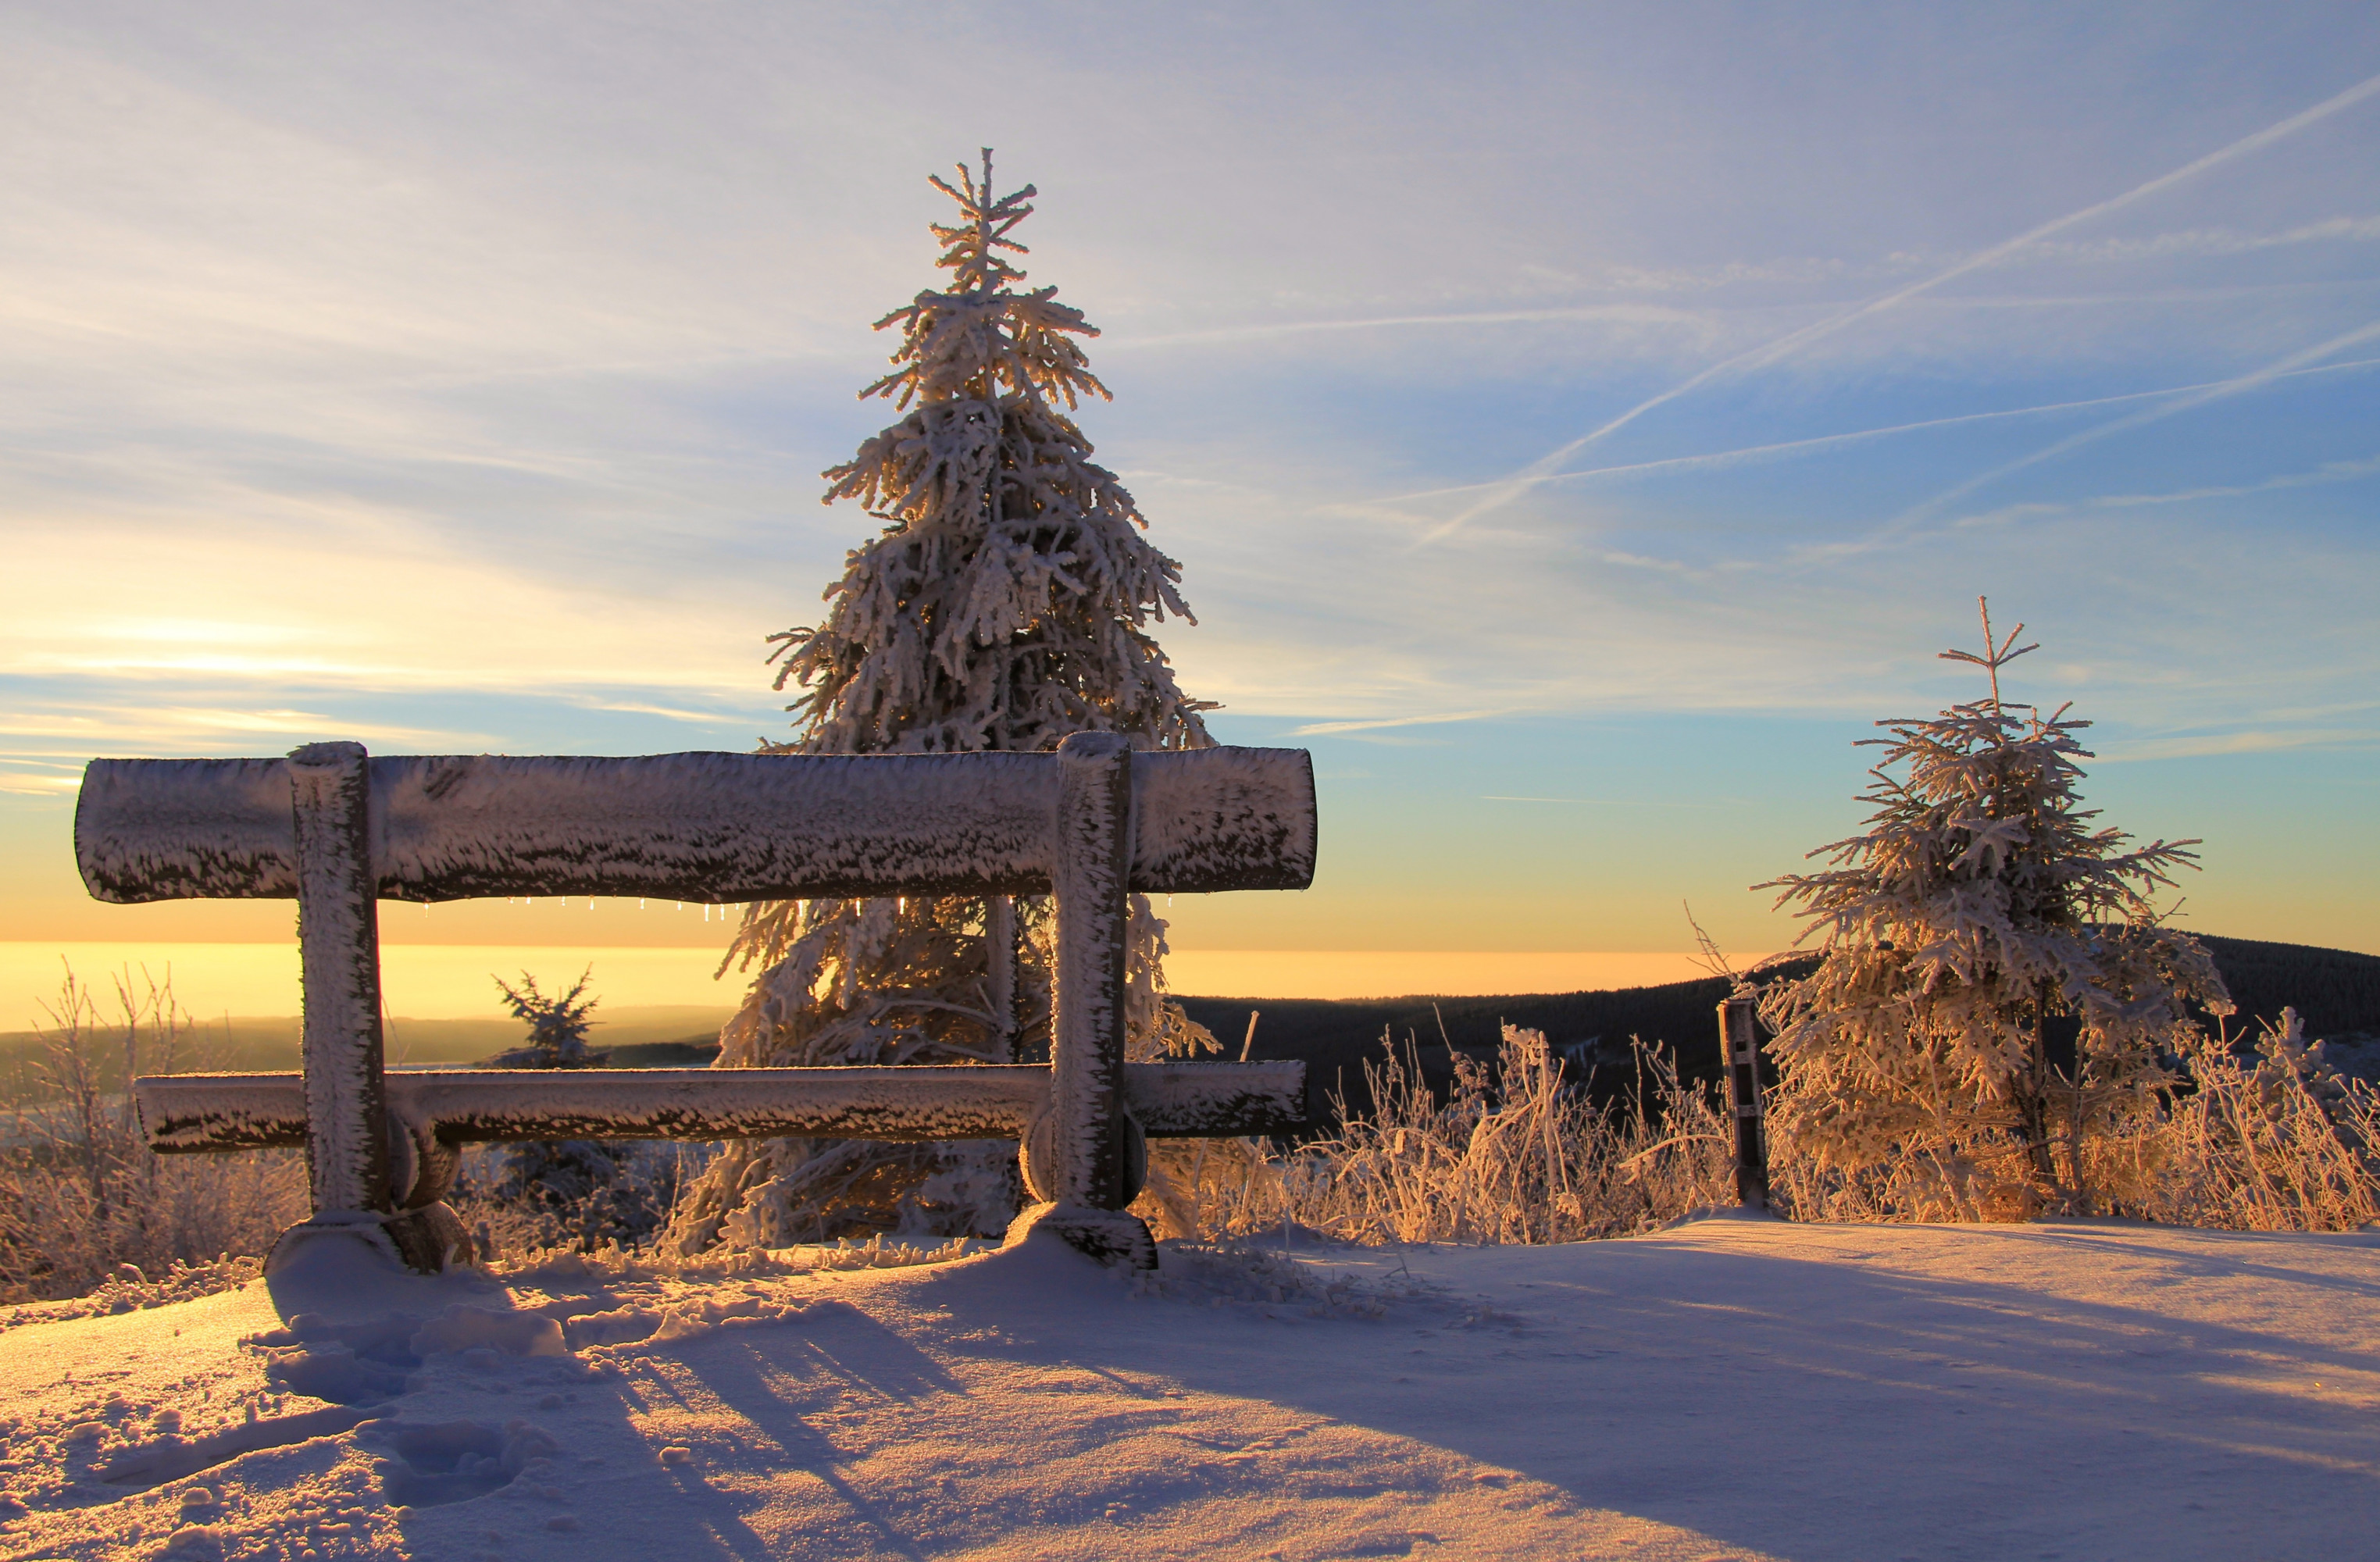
x: 186, y: 1113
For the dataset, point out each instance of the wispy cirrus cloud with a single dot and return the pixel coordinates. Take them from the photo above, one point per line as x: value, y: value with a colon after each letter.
x: 1611, y: 314
x: 673, y: 713
x: 1611, y: 802
x: 152, y: 728
x: 2209, y: 744
x: 44, y: 747
x: 2212, y: 241
x: 2327, y: 473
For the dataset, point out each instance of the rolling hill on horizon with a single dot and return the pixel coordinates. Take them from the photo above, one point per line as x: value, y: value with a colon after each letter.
x: 2337, y: 991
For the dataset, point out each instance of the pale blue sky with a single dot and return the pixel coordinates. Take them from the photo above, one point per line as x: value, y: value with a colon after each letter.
x: 457, y: 377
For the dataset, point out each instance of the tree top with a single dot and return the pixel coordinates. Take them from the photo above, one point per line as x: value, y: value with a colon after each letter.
x: 982, y: 340
x: 971, y: 248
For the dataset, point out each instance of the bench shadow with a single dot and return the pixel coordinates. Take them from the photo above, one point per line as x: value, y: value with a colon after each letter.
x: 750, y: 1386
x: 782, y: 1382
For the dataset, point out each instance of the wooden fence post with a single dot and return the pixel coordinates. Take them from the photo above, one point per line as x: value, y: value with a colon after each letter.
x: 1086, y: 1159
x: 1087, y: 1057
x: 338, y: 938
x: 1740, y: 1054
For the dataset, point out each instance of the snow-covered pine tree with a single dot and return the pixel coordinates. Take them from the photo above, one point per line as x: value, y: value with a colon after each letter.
x: 1007, y: 601
x: 1996, y: 992
x: 557, y: 1027
x: 573, y: 1193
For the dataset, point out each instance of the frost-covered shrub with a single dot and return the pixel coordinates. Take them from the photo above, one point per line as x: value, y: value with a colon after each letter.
x: 1007, y: 601
x: 1987, y: 1032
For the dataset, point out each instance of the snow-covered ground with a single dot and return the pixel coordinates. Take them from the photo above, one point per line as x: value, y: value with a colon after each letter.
x: 1729, y: 1389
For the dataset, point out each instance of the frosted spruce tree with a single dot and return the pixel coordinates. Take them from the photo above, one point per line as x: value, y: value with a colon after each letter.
x: 1986, y: 1028
x: 557, y: 1027
x: 1007, y: 601
x: 568, y: 1193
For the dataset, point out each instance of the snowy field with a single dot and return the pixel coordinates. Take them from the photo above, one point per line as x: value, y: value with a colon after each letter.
x: 1729, y: 1389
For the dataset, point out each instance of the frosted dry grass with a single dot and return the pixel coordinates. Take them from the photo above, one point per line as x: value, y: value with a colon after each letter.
x: 2282, y: 1144
x: 614, y: 1263
x: 84, y: 1204
x: 2275, y: 1143
x: 1513, y: 1155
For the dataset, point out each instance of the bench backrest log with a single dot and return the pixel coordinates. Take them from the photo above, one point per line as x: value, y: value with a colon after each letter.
x: 337, y: 829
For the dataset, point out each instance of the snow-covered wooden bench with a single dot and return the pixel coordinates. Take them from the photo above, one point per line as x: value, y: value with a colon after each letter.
x: 336, y: 831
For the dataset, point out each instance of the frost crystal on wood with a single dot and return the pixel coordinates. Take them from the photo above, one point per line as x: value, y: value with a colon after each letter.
x: 190, y: 1113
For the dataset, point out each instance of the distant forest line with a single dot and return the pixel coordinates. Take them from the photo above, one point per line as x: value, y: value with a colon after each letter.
x: 2337, y: 991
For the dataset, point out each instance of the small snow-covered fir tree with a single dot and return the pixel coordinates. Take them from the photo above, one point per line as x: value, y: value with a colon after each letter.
x: 1007, y: 601
x: 574, y: 1192
x: 1996, y: 994
x: 557, y: 1027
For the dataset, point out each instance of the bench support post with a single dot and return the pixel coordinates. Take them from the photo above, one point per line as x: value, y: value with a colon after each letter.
x: 349, y: 1169
x: 338, y: 953
x: 338, y: 937
x: 1086, y: 1158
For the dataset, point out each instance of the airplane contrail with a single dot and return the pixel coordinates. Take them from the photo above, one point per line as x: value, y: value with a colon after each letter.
x: 1640, y: 314
x: 2294, y: 363
x: 1858, y: 436
x: 1504, y: 492
x: 1823, y: 441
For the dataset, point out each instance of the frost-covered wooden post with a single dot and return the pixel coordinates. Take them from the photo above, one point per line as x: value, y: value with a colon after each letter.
x: 334, y: 829
x: 1739, y: 1060
x: 338, y: 942
x: 1078, y: 1161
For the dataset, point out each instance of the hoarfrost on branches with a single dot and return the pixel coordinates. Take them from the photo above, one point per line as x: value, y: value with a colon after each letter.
x: 1008, y: 599
x: 1987, y: 1029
